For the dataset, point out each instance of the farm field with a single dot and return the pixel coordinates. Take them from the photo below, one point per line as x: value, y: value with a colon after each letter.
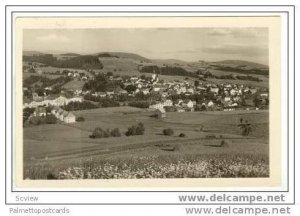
x: 53, y: 70
x: 73, y: 85
x: 120, y: 66
x: 50, y: 76
x: 65, y: 146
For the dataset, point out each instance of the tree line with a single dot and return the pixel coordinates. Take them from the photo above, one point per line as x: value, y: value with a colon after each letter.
x: 80, y: 62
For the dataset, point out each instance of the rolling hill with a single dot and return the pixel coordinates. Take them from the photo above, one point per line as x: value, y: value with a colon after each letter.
x: 240, y: 63
x: 123, y: 63
x: 126, y: 55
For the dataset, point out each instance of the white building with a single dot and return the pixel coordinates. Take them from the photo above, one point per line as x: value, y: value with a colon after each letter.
x: 233, y: 92
x: 69, y: 118
x: 190, y: 104
x: 214, y: 90
x: 64, y: 116
x: 60, y: 101
x: 157, y: 106
x: 227, y: 99
x: 210, y: 104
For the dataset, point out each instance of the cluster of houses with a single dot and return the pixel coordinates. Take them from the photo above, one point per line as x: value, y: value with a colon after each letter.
x: 64, y: 116
x: 78, y: 75
x: 73, y: 74
x: 226, y: 97
x: 230, y: 96
x: 45, y: 101
x: 59, y: 113
x: 147, y: 86
x: 176, y: 106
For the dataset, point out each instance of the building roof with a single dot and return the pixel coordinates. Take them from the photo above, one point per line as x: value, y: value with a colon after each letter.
x: 70, y: 114
x: 64, y: 113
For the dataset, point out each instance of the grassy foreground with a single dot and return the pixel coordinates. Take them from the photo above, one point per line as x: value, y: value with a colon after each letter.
x: 171, y: 166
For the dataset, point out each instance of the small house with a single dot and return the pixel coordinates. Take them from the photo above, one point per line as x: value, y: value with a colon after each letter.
x: 161, y: 113
x: 40, y: 111
x: 69, y: 117
x: 210, y: 104
x: 214, y: 90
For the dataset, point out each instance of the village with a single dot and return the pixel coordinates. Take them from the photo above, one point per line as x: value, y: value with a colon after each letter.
x: 153, y: 93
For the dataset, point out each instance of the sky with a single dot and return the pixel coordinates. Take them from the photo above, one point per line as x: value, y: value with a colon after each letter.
x: 189, y: 44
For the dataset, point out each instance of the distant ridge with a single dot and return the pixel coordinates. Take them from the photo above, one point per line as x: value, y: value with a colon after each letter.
x: 126, y: 55
x: 166, y: 61
x: 70, y: 54
x: 241, y: 62
x: 169, y: 61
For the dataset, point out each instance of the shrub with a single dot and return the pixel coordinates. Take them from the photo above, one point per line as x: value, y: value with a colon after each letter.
x: 76, y: 105
x: 138, y: 129
x: 27, y: 113
x: 139, y: 104
x: 92, y: 136
x: 37, y: 120
x: 109, y: 103
x: 51, y: 176
x: 51, y: 119
x: 130, y: 131
x: 98, y: 133
x: 168, y: 132
x: 80, y: 119
x: 246, y: 128
x: 155, y: 115
x: 115, y: 132
x: 106, y: 133
x: 182, y: 135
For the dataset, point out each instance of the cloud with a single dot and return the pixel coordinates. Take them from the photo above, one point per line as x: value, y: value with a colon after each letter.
x: 251, y: 33
x: 219, y: 32
x: 250, y: 51
x: 53, y: 38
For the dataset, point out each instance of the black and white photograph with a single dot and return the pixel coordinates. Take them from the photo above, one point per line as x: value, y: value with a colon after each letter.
x: 145, y: 103
x: 149, y: 109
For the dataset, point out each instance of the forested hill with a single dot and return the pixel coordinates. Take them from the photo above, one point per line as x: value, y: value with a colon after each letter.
x: 132, y: 64
x: 79, y: 62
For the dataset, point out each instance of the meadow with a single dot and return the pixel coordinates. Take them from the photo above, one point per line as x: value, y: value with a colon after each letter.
x: 51, y: 150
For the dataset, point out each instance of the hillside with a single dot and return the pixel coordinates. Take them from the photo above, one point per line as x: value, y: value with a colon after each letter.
x: 240, y: 63
x: 78, y: 62
x: 70, y: 54
x: 126, y: 55
x: 123, y: 63
x: 169, y: 61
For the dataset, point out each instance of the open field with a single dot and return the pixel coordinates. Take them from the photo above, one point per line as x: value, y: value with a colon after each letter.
x: 61, y: 146
x: 53, y: 70
x: 50, y: 76
x: 73, y: 85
